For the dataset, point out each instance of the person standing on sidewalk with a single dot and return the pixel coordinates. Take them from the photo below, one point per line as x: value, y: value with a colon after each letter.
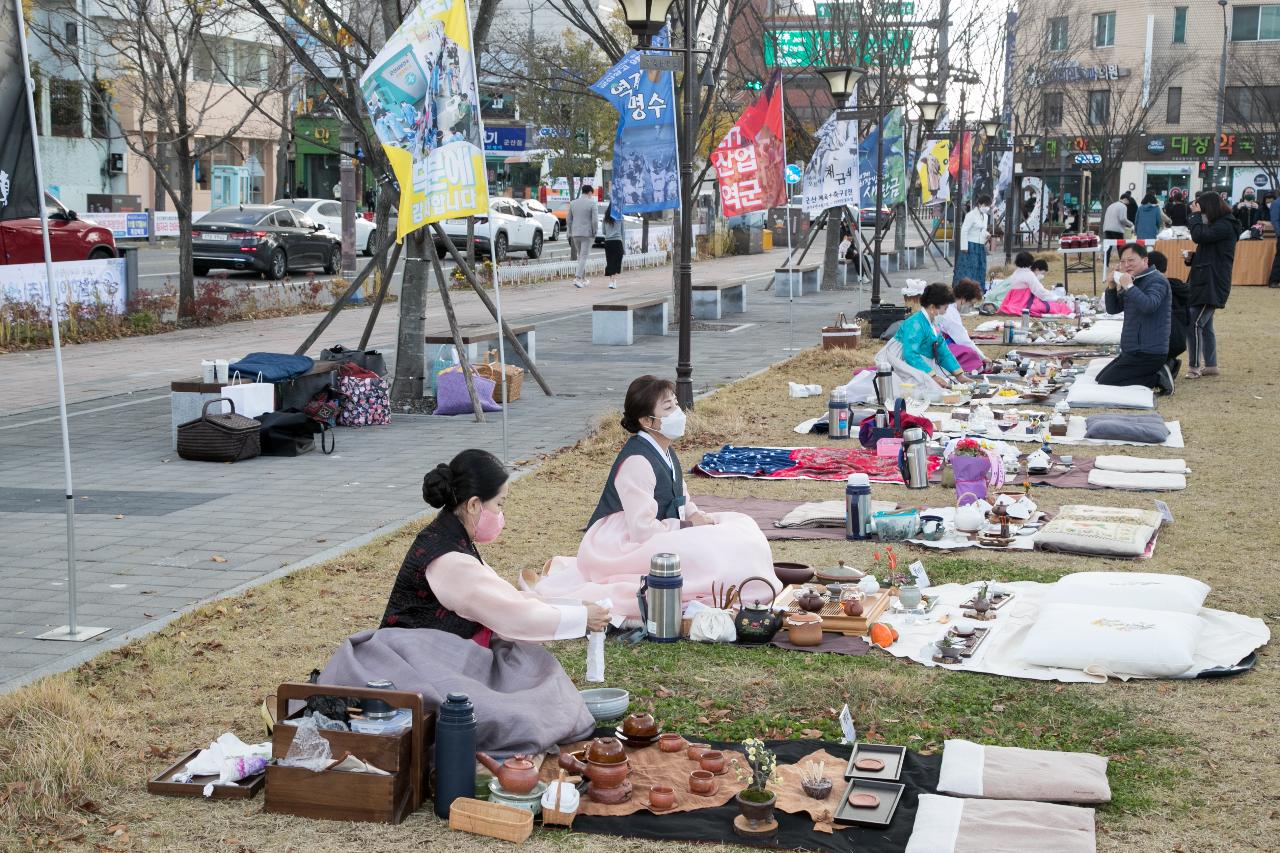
x: 613, y: 245
x: 1273, y: 214
x: 581, y: 225
x: 1215, y: 231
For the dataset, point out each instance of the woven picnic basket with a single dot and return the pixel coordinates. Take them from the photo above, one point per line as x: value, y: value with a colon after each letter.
x: 492, y: 369
x: 219, y: 438
x: 492, y: 819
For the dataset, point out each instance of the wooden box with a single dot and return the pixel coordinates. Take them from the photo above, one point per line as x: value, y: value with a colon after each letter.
x: 163, y: 783
x: 337, y: 795
x: 833, y: 618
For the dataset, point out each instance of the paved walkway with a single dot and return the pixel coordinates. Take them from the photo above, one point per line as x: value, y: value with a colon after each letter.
x: 157, y: 535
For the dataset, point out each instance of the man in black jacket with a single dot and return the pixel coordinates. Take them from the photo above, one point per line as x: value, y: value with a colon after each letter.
x: 1141, y: 293
x: 1179, y: 316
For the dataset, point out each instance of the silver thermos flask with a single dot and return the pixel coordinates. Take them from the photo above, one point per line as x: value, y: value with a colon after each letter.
x: 659, y: 599
x: 884, y: 384
x: 915, y: 459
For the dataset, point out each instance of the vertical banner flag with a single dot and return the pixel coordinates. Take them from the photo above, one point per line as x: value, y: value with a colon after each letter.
x: 646, y: 163
x: 421, y: 94
x: 19, y: 197
x: 751, y: 158
x: 831, y: 177
x: 932, y: 165
x: 965, y: 156
x: 893, y: 169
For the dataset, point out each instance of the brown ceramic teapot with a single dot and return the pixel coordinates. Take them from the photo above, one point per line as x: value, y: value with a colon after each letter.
x: 516, y: 775
x: 640, y: 725
x: 810, y: 600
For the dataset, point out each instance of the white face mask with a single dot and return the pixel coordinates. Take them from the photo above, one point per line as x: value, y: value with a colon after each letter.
x: 1040, y: 276
x: 984, y: 209
x: 672, y: 425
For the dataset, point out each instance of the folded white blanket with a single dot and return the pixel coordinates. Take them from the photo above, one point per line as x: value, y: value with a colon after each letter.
x: 1009, y: 773
x: 1138, y: 481
x: 1140, y: 465
x: 952, y: 825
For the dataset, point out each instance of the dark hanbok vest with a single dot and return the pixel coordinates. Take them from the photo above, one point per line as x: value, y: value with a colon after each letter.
x: 669, y: 492
x: 412, y: 603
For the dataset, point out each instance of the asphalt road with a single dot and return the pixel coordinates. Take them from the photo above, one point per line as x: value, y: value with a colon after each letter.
x: 159, y: 265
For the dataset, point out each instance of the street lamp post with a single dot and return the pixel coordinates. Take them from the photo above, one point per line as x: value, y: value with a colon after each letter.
x: 646, y: 18
x: 1222, y: 92
x: 842, y: 80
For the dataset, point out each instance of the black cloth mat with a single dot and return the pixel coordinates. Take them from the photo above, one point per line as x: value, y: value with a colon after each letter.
x: 795, y: 831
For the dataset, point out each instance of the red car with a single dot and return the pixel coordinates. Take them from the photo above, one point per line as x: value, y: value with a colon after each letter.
x: 70, y: 238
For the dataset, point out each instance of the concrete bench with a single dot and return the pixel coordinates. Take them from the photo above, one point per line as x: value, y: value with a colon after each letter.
x: 805, y: 278
x: 478, y: 340
x: 187, y: 399
x: 617, y: 323
x: 711, y: 301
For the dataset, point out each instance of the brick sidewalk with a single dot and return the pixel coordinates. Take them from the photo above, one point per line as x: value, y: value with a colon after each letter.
x: 273, y: 515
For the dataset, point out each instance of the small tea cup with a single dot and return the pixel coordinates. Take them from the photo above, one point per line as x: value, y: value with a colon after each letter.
x: 671, y: 742
x: 702, y: 782
x: 694, y: 750
x: 712, y: 760
x: 662, y: 797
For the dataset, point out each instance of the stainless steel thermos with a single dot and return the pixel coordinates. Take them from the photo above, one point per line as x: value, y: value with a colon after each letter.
x: 857, y: 507
x: 915, y: 459
x: 659, y: 599
x: 884, y: 385
x: 455, y: 759
x: 838, y: 414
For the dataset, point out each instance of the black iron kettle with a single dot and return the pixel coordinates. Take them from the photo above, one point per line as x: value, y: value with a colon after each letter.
x: 756, y: 622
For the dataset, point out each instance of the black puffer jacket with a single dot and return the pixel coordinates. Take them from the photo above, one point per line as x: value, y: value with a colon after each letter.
x: 1210, y: 279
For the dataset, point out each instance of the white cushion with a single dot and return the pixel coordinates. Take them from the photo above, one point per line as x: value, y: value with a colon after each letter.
x: 1088, y: 512
x: 1103, y: 332
x: 1137, y: 481
x: 1140, y: 464
x: 1130, y: 589
x: 1113, y: 640
x: 1085, y: 393
x: 1097, y: 537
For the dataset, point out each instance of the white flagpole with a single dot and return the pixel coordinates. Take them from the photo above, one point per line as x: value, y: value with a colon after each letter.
x: 70, y: 631
x: 791, y: 272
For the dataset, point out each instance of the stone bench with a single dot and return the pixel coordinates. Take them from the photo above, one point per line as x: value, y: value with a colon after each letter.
x: 617, y: 323
x: 478, y: 340
x: 805, y: 278
x: 187, y: 399
x: 711, y: 301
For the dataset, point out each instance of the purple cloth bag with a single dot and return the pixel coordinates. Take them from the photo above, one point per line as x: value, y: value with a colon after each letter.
x: 971, y: 478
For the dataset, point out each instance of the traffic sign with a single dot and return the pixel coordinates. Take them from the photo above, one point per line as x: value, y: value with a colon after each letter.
x: 793, y: 173
x: 1083, y: 159
x: 660, y: 62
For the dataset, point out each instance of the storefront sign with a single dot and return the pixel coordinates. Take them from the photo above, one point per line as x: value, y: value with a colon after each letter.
x: 1073, y: 71
x: 504, y: 139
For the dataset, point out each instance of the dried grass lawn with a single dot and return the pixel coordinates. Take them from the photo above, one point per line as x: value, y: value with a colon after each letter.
x: 1193, y: 762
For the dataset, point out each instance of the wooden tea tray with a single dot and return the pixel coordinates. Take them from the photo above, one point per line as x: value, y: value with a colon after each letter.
x: 164, y: 784
x: 833, y: 618
x: 971, y: 642
x: 997, y: 601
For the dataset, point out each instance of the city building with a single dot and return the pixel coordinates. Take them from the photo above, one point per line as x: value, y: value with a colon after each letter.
x: 1129, y: 92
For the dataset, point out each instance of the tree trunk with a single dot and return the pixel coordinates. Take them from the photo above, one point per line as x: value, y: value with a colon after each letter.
x: 186, y: 274
x: 406, y: 388
x: 831, y: 250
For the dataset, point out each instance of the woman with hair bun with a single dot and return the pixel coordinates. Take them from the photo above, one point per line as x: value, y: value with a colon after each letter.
x: 453, y: 625
x: 645, y: 509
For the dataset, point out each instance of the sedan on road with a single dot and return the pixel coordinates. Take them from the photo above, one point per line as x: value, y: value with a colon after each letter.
x: 70, y: 237
x: 329, y: 214
x: 270, y: 239
x: 549, y: 221
x: 508, y: 227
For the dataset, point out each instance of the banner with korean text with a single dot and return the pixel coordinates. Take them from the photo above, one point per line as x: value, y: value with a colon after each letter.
x: 646, y: 163
x: 892, y: 170
x: 750, y: 160
x: 421, y: 94
x: 831, y: 176
x: 19, y: 197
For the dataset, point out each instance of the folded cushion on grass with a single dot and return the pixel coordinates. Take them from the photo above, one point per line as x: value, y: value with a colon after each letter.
x: 1104, y: 639
x: 1145, y: 428
x: 1130, y: 589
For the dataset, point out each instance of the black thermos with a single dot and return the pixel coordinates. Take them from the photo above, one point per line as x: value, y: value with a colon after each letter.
x: 455, y: 752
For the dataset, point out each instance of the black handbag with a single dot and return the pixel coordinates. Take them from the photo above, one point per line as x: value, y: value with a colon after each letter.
x: 292, y: 433
x: 369, y: 359
x: 219, y: 438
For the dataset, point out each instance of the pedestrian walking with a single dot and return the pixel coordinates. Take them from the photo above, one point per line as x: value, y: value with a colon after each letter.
x: 1150, y: 220
x: 614, y: 245
x: 1116, y: 220
x: 1215, y: 231
x: 581, y: 225
x: 973, y: 242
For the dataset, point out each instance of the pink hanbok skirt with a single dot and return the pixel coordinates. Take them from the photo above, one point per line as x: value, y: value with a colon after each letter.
x: 1021, y: 298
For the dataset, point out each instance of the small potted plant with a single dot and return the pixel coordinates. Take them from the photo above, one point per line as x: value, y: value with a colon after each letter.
x: 982, y: 601
x: 972, y: 467
x: 909, y: 595
x: 950, y: 649
x: 814, y: 781
x: 756, y: 801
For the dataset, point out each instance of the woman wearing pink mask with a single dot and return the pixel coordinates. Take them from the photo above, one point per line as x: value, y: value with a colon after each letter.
x: 645, y: 509
x: 452, y: 625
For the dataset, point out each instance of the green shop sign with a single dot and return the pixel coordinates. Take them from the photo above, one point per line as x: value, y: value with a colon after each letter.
x: 891, y: 10
x: 805, y: 48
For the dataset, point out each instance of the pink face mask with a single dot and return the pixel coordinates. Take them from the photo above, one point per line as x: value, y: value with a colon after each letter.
x: 489, y: 526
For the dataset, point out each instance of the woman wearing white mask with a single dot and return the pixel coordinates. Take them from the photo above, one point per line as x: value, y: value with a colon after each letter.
x: 973, y: 243
x: 645, y: 509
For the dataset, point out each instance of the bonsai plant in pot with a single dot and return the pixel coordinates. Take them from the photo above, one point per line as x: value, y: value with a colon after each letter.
x: 982, y: 601
x: 756, y: 801
x: 950, y: 648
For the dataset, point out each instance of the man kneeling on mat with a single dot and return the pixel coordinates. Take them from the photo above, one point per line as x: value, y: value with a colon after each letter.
x: 1142, y: 294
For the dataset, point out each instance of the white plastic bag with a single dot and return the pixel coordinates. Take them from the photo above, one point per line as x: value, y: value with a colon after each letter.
x: 711, y: 625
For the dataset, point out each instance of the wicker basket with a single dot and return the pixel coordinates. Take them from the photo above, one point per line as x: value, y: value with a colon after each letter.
x: 494, y: 820
x: 219, y: 438
x: 492, y: 369
x: 554, y: 816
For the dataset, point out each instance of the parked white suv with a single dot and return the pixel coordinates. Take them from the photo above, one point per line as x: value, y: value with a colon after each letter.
x: 549, y: 221
x: 328, y: 213
x: 508, y: 227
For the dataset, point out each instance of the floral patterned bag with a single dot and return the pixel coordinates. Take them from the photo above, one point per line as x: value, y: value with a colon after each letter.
x: 366, y: 397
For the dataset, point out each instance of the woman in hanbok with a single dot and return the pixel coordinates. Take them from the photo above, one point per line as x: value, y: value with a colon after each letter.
x: 922, y: 364
x: 645, y: 509
x: 1026, y: 291
x: 972, y: 262
x: 452, y: 625
x: 951, y: 325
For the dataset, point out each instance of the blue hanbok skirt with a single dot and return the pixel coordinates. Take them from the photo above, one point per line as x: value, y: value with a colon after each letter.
x: 972, y: 264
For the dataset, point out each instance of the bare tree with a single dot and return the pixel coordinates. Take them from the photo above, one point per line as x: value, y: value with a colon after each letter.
x: 1251, y: 107
x: 144, y: 58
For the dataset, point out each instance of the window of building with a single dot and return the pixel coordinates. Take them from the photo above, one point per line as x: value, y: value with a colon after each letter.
x: 202, y: 64
x: 1173, y: 109
x: 1052, y: 109
x: 1104, y: 29
x: 66, y: 108
x: 1255, y: 23
x: 70, y: 33
x: 251, y: 63
x: 1057, y: 34
x: 1251, y: 103
x: 1099, y: 107
x: 1180, y: 25
x: 100, y: 110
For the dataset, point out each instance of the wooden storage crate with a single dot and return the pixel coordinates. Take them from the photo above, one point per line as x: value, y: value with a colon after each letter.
x: 494, y: 820
x: 353, y: 796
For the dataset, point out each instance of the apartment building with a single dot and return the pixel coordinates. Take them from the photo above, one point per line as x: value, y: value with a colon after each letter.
x: 1156, y: 63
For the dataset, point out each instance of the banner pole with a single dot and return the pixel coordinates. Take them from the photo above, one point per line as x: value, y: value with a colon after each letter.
x: 791, y: 271
x: 70, y: 631
x: 502, y: 363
